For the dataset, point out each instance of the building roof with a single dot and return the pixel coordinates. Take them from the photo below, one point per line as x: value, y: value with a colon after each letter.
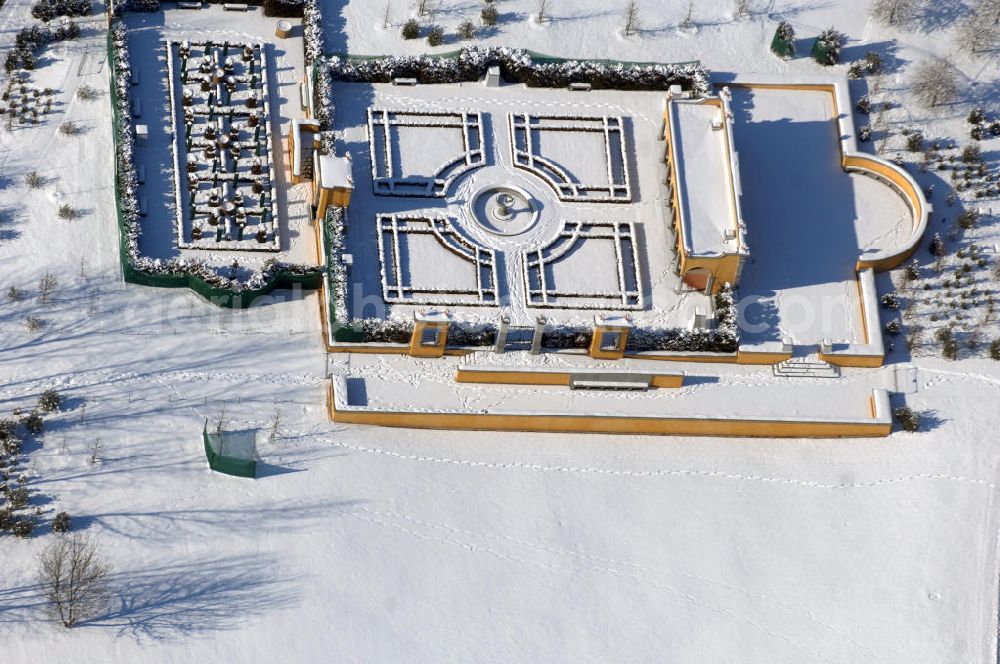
x: 335, y: 172
x: 706, y: 177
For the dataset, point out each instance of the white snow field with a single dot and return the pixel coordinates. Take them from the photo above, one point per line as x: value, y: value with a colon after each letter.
x: 361, y: 544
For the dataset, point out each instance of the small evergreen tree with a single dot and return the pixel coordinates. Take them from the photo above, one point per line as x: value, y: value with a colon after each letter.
x: 411, y: 29
x: 864, y: 105
x: 62, y: 523
x: 976, y: 116
x: 908, y: 418
x: 489, y: 15
x: 49, y: 401
x: 937, y: 247
x: 436, y: 36
x: 995, y: 349
x: 783, y: 43
x: 826, y: 48
x: 467, y: 30
x: 873, y: 62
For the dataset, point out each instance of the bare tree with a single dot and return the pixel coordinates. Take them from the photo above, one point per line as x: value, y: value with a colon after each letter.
x: 275, y: 423
x: 424, y: 7
x: 631, y: 18
x: 385, y: 17
x: 893, y: 12
x: 75, y: 579
x: 980, y: 31
x: 743, y: 8
x: 543, y: 8
x: 688, y: 21
x: 46, y: 286
x: 96, y: 452
x: 934, y: 82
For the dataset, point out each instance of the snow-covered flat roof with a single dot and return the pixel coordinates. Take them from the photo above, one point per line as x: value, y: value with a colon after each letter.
x: 706, y: 196
x: 335, y: 172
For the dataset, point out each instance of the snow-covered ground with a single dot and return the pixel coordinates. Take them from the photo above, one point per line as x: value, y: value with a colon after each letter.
x: 374, y: 545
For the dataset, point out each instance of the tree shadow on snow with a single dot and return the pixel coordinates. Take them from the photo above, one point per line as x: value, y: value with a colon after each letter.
x: 185, y: 599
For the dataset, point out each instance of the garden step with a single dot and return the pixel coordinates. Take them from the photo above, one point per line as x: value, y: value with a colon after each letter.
x: 806, y: 367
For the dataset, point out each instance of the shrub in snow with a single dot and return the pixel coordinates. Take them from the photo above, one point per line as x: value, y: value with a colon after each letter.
x: 892, y: 327
x: 908, y: 418
x: 23, y: 528
x: 49, y: 401
x: 967, y: 220
x: 33, y: 422
x: 864, y: 105
x: 937, y: 247
x: 915, y: 141
x: 472, y: 335
x: 466, y: 30
x: 62, y: 523
x: 995, y: 349
x: 995, y: 128
x: 949, y: 347
x: 411, y: 29
x: 826, y: 48
x: 865, y: 132
x: 783, y: 43
x: 34, y: 180
x: 489, y: 15
x: 17, y: 497
x: 890, y: 301
x: 6, y: 519
x: 912, y: 271
x: 976, y: 116
x: 46, y: 10
x: 34, y: 324
x: 436, y: 36
x: 873, y: 62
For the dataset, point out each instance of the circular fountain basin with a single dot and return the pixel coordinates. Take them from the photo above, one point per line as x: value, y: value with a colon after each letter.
x: 503, y: 210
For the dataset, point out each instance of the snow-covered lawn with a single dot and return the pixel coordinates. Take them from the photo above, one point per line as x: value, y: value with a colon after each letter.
x: 375, y: 545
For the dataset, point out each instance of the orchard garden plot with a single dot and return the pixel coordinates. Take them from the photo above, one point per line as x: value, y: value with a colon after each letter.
x: 223, y: 145
x: 588, y: 230
x: 213, y: 182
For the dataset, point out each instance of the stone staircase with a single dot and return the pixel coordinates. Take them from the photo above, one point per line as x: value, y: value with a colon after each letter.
x: 806, y: 367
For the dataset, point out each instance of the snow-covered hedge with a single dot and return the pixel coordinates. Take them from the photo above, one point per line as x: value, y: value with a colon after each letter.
x: 518, y: 66
x: 723, y: 339
x: 312, y: 31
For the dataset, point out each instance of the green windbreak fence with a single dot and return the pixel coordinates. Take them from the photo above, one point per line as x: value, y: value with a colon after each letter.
x: 223, y: 297
x: 231, y: 452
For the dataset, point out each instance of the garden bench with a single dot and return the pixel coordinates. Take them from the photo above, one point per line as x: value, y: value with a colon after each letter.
x: 143, y: 208
x: 136, y: 108
x: 140, y: 174
x: 609, y: 381
x: 303, y: 96
x: 404, y: 81
x: 235, y: 6
x: 185, y: 4
x: 580, y: 87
